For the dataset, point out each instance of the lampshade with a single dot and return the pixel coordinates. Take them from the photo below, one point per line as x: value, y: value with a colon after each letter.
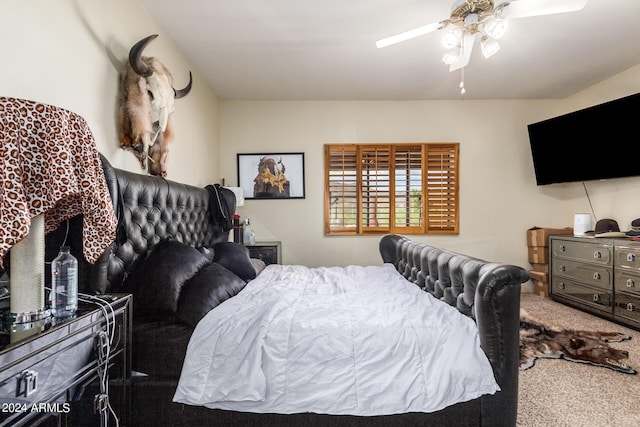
x: 27, y: 273
x: 489, y: 46
x: 239, y: 192
x: 451, y: 56
x: 495, y: 27
x: 452, y: 37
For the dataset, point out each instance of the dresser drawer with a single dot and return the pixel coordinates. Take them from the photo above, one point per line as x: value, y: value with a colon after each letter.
x: 627, y: 281
x: 582, y: 251
x: 627, y: 306
x: 590, y: 274
x: 628, y: 258
x: 52, y: 360
x: 577, y: 292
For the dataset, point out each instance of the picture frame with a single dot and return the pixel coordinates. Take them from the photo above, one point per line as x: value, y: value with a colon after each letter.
x: 266, y: 176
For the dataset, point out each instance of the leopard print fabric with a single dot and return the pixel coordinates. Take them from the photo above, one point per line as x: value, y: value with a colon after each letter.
x: 50, y: 165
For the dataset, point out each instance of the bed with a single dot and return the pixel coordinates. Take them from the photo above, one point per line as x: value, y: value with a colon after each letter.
x: 191, y: 288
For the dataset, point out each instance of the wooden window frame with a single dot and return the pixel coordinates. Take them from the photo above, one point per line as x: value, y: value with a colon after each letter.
x: 347, y: 201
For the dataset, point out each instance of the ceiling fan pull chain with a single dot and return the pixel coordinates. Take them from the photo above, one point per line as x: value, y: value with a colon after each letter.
x: 462, y: 89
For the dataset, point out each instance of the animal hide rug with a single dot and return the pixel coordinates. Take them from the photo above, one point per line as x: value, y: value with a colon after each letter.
x: 538, y: 340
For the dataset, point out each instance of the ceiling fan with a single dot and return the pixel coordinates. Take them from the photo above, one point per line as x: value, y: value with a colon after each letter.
x: 471, y: 19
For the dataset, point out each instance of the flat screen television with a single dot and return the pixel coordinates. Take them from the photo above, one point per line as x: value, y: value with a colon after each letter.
x: 596, y: 143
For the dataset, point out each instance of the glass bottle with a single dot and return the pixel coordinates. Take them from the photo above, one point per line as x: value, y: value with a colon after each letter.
x: 247, y: 232
x: 64, y: 284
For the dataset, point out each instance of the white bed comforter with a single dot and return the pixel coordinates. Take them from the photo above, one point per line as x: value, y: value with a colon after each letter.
x: 353, y: 340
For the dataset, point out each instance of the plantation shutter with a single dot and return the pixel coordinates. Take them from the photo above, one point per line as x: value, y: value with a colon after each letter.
x: 407, y: 188
x: 442, y: 198
x: 341, y: 191
x: 375, y: 188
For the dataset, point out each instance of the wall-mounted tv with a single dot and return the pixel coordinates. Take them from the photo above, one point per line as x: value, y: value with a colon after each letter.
x: 596, y: 143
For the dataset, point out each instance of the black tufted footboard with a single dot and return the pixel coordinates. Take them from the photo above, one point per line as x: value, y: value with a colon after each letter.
x: 487, y: 292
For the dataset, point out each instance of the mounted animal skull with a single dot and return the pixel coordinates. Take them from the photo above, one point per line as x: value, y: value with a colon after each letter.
x: 146, y: 104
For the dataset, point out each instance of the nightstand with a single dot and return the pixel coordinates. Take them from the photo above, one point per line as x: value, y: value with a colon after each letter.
x: 269, y: 252
x: 53, y: 375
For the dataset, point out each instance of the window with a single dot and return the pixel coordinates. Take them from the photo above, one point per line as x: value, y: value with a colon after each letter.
x: 408, y: 188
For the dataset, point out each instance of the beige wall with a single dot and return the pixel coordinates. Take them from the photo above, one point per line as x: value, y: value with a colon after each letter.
x: 497, y: 183
x: 69, y: 53
x: 499, y: 196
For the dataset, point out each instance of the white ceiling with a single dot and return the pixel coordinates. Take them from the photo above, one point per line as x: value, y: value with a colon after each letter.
x: 325, y: 49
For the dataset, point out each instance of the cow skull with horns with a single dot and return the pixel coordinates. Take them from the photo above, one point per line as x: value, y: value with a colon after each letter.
x: 146, y: 104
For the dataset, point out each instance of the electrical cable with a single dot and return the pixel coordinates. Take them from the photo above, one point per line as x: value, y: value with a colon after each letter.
x: 105, y: 343
x: 64, y: 241
x: 66, y: 235
x: 589, y: 199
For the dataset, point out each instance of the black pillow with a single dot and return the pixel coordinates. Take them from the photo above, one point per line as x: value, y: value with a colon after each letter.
x: 157, y: 282
x: 235, y: 257
x: 212, y: 285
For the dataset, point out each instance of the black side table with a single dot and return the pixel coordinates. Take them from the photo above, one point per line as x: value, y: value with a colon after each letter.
x: 43, y: 375
x: 269, y: 252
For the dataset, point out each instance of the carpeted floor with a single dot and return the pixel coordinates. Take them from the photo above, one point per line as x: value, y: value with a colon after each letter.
x: 559, y: 393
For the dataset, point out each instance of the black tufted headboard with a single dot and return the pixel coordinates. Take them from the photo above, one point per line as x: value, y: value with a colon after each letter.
x: 149, y: 209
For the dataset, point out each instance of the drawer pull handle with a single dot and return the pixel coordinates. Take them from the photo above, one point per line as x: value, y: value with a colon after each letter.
x: 631, y: 257
x: 562, y: 285
x: 562, y: 248
x: 562, y: 268
x: 597, y: 254
x: 596, y: 276
x: 596, y: 298
x: 27, y: 383
x: 630, y: 307
x: 631, y: 283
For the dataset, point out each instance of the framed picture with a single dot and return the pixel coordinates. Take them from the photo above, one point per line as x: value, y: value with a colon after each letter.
x: 271, y: 175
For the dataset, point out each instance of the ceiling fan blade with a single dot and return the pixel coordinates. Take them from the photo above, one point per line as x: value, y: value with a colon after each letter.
x: 527, y: 8
x: 467, y: 46
x: 408, y: 35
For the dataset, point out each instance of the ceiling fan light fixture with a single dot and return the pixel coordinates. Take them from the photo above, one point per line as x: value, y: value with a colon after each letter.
x: 470, y: 20
x: 495, y: 27
x: 489, y: 46
x: 451, y: 56
x: 452, y: 37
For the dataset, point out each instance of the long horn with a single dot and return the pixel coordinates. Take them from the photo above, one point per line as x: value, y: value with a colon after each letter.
x: 135, y: 57
x: 184, y: 92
